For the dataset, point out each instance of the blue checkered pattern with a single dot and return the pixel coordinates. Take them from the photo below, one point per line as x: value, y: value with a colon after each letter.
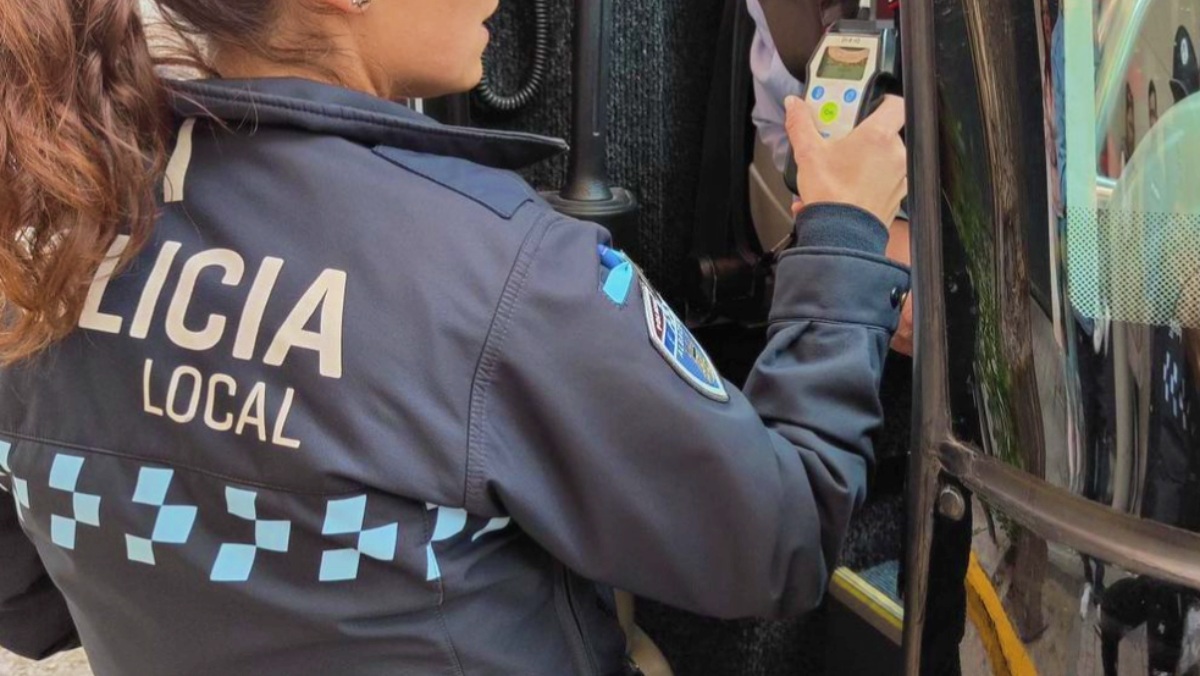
x: 172, y: 525
x: 20, y: 488
x: 85, y: 508
x: 235, y: 561
x: 346, y: 517
x: 450, y: 522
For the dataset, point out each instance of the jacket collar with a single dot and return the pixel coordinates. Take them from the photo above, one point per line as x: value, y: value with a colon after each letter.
x: 356, y: 116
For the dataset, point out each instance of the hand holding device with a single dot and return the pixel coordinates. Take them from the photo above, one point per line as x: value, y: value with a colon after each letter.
x: 856, y: 64
x: 868, y: 168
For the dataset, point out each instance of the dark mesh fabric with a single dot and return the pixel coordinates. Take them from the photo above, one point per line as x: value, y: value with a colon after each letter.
x: 661, y: 73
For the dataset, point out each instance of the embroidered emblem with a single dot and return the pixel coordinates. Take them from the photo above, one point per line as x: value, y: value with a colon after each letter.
x: 680, y: 348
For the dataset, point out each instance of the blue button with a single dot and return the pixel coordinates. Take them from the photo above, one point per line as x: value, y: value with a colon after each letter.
x: 818, y: 93
x: 851, y: 95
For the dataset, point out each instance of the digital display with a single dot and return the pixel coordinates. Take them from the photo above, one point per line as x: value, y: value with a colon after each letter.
x: 844, y: 63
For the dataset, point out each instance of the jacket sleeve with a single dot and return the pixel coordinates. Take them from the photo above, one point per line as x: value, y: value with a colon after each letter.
x: 34, y: 620
x: 608, y: 457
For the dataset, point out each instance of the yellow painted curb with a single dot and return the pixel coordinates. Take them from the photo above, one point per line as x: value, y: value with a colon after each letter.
x: 1005, y: 650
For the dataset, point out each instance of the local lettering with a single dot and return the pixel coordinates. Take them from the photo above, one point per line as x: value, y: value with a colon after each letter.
x: 218, y: 400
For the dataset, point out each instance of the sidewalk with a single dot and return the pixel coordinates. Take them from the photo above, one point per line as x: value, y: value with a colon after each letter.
x: 70, y: 664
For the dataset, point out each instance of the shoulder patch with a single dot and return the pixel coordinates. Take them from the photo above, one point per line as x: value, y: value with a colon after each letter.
x: 503, y: 192
x: 680, y: 348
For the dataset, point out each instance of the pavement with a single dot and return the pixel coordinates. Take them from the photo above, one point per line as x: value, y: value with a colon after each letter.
x: 73, y: 663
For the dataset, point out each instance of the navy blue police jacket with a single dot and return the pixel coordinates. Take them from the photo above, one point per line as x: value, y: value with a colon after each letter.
x: 365, y: 404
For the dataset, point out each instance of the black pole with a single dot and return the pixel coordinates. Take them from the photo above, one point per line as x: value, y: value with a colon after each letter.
x: 587, y: 179
x: 588, y: 194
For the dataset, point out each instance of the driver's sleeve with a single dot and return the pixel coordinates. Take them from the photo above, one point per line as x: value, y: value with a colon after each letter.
x: 608, y: 457
x: 34, y: 619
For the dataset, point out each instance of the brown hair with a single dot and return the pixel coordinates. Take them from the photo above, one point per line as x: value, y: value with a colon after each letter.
x: 83, y: 134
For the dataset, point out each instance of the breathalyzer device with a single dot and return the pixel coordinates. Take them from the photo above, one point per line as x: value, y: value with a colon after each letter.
x: 854, y: 66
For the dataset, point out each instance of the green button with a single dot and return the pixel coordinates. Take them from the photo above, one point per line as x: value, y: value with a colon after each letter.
x: 829, y: 112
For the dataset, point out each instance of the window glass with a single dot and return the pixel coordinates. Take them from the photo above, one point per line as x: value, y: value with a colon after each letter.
x: 1128, y: 145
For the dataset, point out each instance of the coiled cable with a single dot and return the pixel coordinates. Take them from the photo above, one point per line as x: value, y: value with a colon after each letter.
x: 489, y: 98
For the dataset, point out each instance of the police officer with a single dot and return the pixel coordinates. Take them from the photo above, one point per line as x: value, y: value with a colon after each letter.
x: 301, y: 382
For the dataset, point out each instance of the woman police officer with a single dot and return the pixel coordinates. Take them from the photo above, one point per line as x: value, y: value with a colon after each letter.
x: 301, y: 382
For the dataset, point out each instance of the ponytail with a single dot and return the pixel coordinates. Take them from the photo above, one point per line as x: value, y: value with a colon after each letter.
x: 83, y: 128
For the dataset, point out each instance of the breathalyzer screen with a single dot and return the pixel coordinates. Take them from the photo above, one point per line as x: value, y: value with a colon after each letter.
x: 843, y: 63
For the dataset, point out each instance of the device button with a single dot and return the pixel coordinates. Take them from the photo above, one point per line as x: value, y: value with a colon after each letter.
x: 829, y: 112
x: 818, y: 93
x: 851, y: 95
